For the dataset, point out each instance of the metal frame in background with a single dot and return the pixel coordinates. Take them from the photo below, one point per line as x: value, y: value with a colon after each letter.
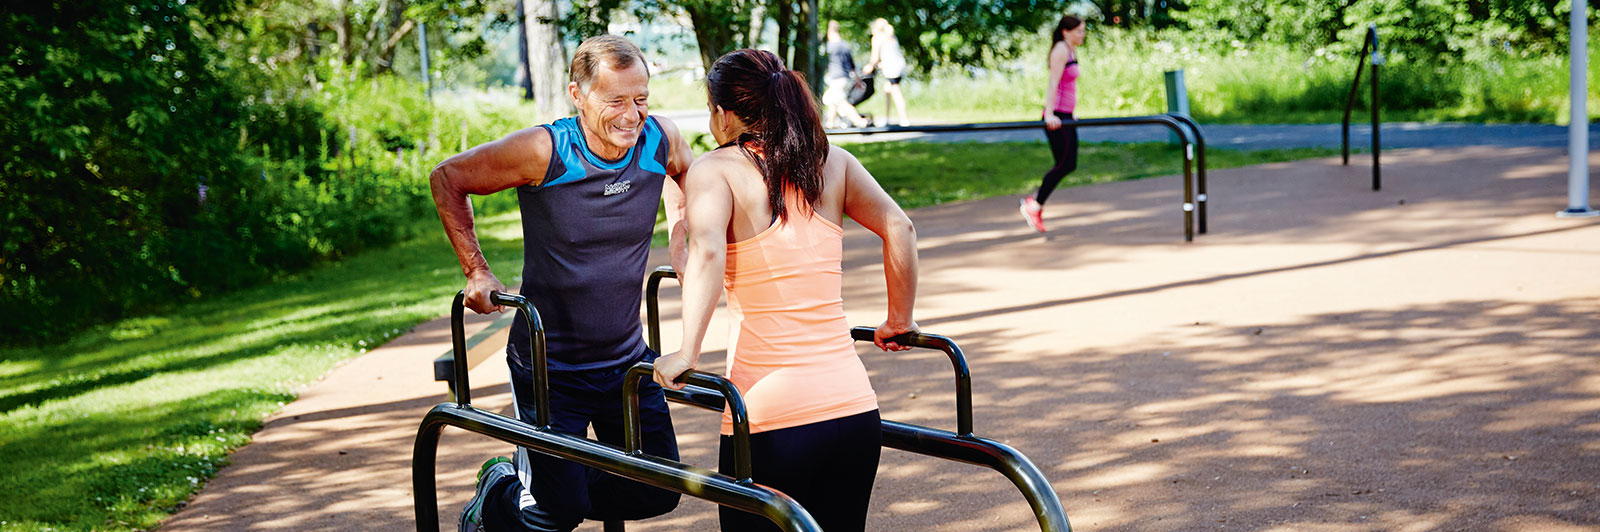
x: 693, y: 481
x: 960, y: 446
x: 1370, y: 44
x: 1194, y: 145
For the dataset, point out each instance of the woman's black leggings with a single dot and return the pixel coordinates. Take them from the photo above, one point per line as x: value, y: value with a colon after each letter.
x: 827, y: 466
x: 1064, y: 146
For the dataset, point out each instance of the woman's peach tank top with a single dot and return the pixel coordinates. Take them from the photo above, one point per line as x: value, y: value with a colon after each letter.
x: 790, y: 351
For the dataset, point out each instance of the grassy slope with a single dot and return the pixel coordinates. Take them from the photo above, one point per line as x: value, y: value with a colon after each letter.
x: 112, y: 429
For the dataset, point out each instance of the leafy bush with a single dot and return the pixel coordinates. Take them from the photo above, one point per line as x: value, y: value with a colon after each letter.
x: 154, y: 160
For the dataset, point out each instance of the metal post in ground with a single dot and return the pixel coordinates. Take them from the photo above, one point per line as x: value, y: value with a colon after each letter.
x: 422, y: 48
x: 1377, y: 60
x: 1578, y: 127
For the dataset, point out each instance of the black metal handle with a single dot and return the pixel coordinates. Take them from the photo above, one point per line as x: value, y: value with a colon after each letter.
x: 958, y: 361
x: 1369, y: 44
x: 631, y: 433
x: 458, y: 341
x: 652, y: 305
x: 1189, y: 136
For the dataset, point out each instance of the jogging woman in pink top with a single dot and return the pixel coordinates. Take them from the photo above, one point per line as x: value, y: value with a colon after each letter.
x: 765, y: 212
x: 1060, y: 99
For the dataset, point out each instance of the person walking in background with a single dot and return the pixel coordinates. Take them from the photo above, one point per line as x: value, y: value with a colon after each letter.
x: 836, y: 82
x: 765, y: 211
x: 888, y: 60
x: 589, y: 188
x: 1060, y: 99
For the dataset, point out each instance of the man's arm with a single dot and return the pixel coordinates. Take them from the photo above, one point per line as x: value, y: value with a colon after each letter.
x: 679, y: 156
x: 518, y: 159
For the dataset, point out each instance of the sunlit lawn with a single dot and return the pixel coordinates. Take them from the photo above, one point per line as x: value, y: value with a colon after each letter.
x: 116, y: 426
x: 112, y: 429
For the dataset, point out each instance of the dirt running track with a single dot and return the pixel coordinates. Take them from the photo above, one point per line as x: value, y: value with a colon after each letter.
x: 1330, y: 358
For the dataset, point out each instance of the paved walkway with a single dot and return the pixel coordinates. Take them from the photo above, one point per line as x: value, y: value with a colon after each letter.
x: 1394, y: 135
x: 1329, y: 359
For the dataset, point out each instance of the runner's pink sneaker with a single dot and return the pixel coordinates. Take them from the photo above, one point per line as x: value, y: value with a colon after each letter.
x: 1033, y: 213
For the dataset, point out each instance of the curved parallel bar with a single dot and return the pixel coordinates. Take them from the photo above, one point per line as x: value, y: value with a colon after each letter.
x: 712, y: 381
x: 652, y: 305
x: 689, y: 480
x: 1199, y: 166
x: 962, y: 447
x: 660, y: 472
x: 458, y: 345
x: 1041, y: 496
x: 541, y: 377
x: 957, y: 360
x: 1369, y: 43
x: 1183, y: 131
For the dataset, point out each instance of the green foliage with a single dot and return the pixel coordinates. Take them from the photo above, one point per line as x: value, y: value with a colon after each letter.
x: 157, y: 156
x: 1436, y: 31
x: 114, y: 428
x: 952, y: 32
x: 1258, y: 83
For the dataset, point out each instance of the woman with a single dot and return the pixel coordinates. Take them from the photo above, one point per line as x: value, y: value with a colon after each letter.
x: 764, y: 214
x: 888, y: 59
x: 1060, y: 98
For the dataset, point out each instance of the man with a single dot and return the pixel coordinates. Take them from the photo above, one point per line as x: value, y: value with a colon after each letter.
x: 836, y: 81
x: 588, y: 187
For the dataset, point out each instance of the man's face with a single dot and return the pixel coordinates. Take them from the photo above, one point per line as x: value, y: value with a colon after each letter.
x: 613, y: 110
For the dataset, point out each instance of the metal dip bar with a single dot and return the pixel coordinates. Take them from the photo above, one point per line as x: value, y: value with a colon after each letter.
x: 1194, y: 145
x: 689, y: 480
x: 959, y: 446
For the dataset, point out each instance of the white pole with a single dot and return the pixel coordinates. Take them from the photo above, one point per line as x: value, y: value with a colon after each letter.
x: 1578, y: 128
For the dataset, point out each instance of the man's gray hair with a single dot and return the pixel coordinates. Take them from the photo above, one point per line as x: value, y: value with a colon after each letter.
x: 616, y: 52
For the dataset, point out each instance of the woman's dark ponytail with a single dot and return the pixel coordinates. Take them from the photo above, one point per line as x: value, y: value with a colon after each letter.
x: 776, y: 104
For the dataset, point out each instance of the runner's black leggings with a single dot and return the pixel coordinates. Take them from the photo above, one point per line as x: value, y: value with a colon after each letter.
x: 1064, y: 146
x: 828, y: 467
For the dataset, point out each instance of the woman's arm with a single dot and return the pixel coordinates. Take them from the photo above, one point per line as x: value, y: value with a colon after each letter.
x: 1058, y: 64
x: 709, y: 208
x: 877, y: 56
x: 867, y: 204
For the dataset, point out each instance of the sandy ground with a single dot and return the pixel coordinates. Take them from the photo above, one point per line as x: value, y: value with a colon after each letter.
x: 1329, y: 358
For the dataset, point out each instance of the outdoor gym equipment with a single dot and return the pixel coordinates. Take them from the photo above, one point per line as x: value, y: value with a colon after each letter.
x: 1370, y: 43
x: 961, y: 446
x: 693, y: 481
x: 1188, y: 131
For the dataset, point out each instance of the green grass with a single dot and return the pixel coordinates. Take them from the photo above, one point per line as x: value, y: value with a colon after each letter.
x: 113, y: 428
x: 1123, y: 75
x: 920, y: 174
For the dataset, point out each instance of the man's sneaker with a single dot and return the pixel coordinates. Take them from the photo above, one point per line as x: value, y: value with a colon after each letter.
x: 1033, y: 213
x: 490, y: 474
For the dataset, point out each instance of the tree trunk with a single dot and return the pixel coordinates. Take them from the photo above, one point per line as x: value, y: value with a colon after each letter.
x: 524, y: 70
x: 341, y: 31
x: 805, y: 44
x: 758, y: 19
x: 785, y: 21
x: 547, y: 61
x: 398, y: 26
x: 715, y: 31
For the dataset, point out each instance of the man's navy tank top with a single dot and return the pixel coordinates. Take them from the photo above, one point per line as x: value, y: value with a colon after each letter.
x: 586, y: 234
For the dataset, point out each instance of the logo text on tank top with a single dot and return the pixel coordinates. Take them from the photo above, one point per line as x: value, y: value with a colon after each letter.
x: 618, y: 188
